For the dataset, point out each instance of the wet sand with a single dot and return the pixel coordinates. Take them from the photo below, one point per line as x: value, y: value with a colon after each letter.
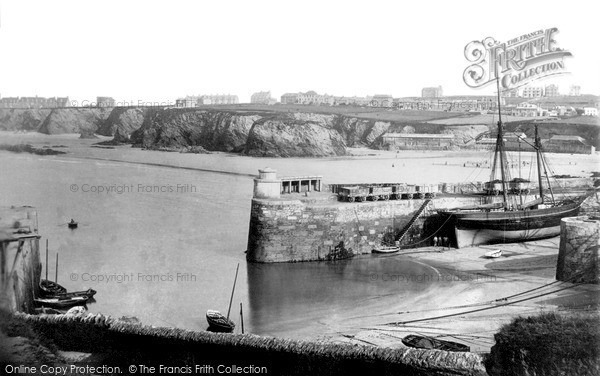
x: 483, y: 284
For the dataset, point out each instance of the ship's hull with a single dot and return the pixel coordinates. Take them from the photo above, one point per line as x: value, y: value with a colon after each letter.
x: 481, y: 227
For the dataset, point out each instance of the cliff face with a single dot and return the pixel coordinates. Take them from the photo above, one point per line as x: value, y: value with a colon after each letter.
x: 124, y: 119
x: 287, y: 136
x: 359, y: 132
x: 22, y: 119
x: 73, y: 120
x: 177, y: 128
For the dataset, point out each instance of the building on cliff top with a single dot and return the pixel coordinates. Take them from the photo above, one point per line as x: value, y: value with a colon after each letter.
x: 310, y: 97
x: 432, y: 92
x: 197, y: 100
x: 382, y: 100
x: 262, y: 97
x: 34, y: 102
x: 105, y: 102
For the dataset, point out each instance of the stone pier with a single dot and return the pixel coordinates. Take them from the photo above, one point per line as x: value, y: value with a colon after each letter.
x: 19, y: 258
x: 578, y: 252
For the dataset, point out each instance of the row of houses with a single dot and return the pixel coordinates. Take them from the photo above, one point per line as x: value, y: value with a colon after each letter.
x: 527, y: 109
x: 432, y: 101
x: 512, y: 142
x: 34, y: 102
x: 199, y: 100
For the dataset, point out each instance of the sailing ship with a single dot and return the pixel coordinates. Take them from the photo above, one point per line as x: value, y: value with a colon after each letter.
x: 216, y: 321
x: 506, y: 221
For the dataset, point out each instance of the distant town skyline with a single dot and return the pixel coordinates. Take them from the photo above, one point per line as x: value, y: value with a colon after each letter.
x: 160, y: 51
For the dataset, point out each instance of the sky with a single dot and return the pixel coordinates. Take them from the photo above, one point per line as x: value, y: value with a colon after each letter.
x: 161, y: 50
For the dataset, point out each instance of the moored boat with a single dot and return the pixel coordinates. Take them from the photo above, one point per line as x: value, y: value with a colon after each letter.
x: 384, y: 249
x: 49, y: 288
x: 87, y: 293
x: 216, y: 321
x: 61, y: 302
x: 512, y: 220
x: 219, y: 323
x: 422, y: 342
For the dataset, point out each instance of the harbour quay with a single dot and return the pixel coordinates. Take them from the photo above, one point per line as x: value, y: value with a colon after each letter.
x: 302, y: 219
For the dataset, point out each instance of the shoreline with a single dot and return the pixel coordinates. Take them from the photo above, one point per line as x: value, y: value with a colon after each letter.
x: 374, y: 165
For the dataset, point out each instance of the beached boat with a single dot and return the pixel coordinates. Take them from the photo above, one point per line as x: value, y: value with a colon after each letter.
x: 87, y: 293
x: 422, y: 342
x: 219, y: 323
x: 383, y: 249
x: 512, y: 220
x: 493, y: 254
x: 50, y: 289
x: 62, y: 302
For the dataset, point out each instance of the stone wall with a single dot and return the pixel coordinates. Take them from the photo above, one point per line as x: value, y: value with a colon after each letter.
x: 320, y: 228
x: 121, y: 344
x: 19, y: 258
x: 578, y: 252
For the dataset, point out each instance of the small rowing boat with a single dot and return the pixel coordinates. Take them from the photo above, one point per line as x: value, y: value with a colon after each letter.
x: 219, y: 323
x: 62, y: 302
x: 49, y: 288
x: 88, y: 293
x: 422, y: 342
x: 216, y: 321
x: 385, y: 249
x: 493, y: 254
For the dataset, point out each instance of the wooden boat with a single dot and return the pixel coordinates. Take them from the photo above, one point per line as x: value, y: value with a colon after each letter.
x: 219, y: 323
x: 87, y: 293
x: 386, y: 249
x: 62, y: 303
x: 512, y: 221
x: 216, y: 321
x: 78, y: 310
x: 72, y: 224
x: 493, y: 254
x: 422, y: 342
x: 49, y: 288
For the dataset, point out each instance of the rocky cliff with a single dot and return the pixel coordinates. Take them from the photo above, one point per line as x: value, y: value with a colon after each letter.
x: 181, y: 128
x: 124, y: 119
x: 288, y: 136
x: 73, y: 120
x: 21, y: 119
x: 258, y: 132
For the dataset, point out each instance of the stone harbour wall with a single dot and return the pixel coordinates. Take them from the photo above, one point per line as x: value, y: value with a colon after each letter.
x: 578, y: 252
x: 19, y: 258
x: 288, y: 230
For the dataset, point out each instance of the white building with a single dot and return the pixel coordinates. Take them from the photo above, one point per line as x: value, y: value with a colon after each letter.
x: 590, y: 111
x: 533, y: 92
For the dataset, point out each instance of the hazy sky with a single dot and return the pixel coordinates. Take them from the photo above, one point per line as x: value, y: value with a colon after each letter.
x: 161, y: 50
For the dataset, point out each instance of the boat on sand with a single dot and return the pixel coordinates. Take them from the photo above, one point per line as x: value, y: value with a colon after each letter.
x: 422, y: 342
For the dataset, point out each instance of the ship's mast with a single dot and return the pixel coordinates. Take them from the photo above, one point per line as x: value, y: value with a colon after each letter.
x: 500, y: 147
x: 542, y: 163
x: 539, y: 162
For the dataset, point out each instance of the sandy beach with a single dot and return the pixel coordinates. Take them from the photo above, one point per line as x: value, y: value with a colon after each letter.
x: 524, y: 274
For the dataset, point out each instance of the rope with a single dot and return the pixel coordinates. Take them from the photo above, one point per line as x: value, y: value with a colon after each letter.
x: 430, y: 236
x: 501, y: 299
x: 478, y: 310
x: 359, y: 224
